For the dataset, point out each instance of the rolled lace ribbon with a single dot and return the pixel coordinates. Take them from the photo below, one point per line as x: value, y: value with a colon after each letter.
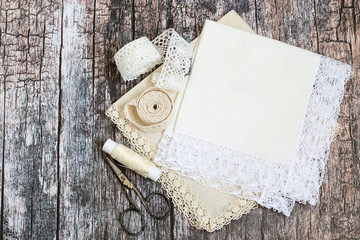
x: 142, y: 55
x: 136, y: 58
x: 152, y: 111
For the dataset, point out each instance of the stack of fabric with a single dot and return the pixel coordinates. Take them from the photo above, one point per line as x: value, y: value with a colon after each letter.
x: 251, y: 123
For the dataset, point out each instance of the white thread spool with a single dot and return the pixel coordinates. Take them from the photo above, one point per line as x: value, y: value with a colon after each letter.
x: 132, y: 160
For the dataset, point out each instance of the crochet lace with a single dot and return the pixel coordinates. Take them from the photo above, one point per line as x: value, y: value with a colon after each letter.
x: 184, y: 198
x: 141, y: 56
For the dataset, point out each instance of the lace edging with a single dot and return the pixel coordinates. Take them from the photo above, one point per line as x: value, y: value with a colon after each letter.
x: 141, y: 144
x: 185, y: 200
x: 176, y: 188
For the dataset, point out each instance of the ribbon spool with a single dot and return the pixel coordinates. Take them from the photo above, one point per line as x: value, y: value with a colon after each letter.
x: 152, y: 111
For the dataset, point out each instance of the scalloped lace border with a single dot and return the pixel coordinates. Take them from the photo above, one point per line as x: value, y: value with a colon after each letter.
x: 184, y: 198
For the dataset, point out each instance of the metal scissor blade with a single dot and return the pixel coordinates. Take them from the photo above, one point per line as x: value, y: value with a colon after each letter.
x: 189, y: 71
x: 123, y: 179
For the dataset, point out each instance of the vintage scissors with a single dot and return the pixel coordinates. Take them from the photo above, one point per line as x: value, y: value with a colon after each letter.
x: 126, y: 186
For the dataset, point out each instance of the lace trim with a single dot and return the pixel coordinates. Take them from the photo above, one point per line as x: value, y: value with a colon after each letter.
x: 317, y: 133
x: 176, y: 53
x: 137, y: 57
x: 141, y: 55
x: 194, y: 210
x: 215, y: 165
x: 280, y: 184
x: 186, y: 201
x: 141, y: 144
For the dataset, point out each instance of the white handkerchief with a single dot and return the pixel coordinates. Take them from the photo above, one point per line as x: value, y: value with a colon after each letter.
x: 256, y: 118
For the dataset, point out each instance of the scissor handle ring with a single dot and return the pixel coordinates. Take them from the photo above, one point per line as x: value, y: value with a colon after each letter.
x: 141, y: 220
x: 167, y: 202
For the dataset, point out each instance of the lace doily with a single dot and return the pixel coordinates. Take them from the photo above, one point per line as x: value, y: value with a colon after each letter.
x: 244, y: 174
x: 184, y: 198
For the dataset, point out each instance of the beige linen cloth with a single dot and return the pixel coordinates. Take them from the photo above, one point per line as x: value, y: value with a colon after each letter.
x: 257, y: 116
x: 204, y: 207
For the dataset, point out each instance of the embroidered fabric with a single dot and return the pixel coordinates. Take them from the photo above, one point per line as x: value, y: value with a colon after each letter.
x: 186, y: 201
x: 245, y: 174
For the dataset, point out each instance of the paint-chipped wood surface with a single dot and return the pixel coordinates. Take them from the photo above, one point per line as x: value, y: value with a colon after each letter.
x: 58, y: 77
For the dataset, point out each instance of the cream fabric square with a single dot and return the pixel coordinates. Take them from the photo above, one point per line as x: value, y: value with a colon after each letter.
x: 240, y: 94
x: 256, y: 118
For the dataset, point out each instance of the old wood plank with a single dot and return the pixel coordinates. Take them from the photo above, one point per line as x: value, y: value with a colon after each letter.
x: 29, y: 77
x: 46, y: 220
x: 110, y: 18
x: 2, y: 117
x: 77, y: 169
x: 340, y: 40
x: 331, y: 196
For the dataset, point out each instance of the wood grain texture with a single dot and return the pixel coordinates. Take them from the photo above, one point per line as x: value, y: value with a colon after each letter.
x: 29, y: 80
x: 58, y: 77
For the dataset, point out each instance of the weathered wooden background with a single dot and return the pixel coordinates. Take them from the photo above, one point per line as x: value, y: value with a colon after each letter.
x: 58, y: 76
